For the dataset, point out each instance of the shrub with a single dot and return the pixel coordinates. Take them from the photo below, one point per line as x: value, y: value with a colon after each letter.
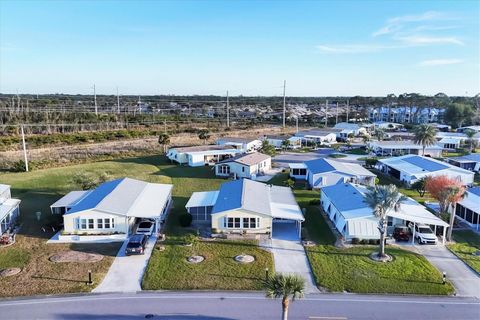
x: 185, y: 220
x: 364, y: 241
x: 355, y: 240
x: 373, y: 241
x: 314, y: 202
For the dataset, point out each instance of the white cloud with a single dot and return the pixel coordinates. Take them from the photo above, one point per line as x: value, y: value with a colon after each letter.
x: 426, y: 40
x: 352, y: 48
x: 439, y: 62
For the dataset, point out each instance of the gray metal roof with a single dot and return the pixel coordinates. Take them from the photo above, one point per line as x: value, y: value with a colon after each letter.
x: 200, y: 148
x: 249, y: 159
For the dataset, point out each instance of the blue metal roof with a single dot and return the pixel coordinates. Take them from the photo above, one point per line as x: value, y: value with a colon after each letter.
x: 95, y: 196
x: 473, y: 157
x: 345, y: 197
x: 319, y: 166
x: 475, y: 191
x: 425, y: 164
x: 230, y: 196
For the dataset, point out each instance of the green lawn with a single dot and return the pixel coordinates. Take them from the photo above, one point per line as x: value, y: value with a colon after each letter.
x: 351, y: 269
x: 467, y: 243
x: 169, y: 269
x: 337, y: 155
x: 357, y: 151
x: 39, y: 189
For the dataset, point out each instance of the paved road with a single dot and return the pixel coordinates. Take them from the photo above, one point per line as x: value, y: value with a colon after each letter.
x: 466, y: 282
x: 126, y: 272
x: 226, y: 306
x: 289, y: 255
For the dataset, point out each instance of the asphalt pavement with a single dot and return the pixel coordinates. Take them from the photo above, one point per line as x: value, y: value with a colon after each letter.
x: 227, y: 306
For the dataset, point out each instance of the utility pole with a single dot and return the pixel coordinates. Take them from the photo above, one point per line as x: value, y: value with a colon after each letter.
x: 348, y: 107
x: 164, y: 126
x: 326, y: 114
x: 228, y: 112
x: 296, y: 122
x: 118, y: 102
x: 24, y: 149
x: 336, y: 117
x: 284, y: 111
x: 95, y: 99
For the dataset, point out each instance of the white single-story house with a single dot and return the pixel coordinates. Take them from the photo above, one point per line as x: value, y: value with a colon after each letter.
x: 242, y: 144
x: 279, y: 142
x: 9, y: 208
x: 197, y: 156
x: 323, y: 136
x: 248, y: 165
x: 473, y: 128
x: 454, y: 140
x: 468, y: 209
x: 247, y: 207
x: 110, y: 211
x: 353, y: 218
x: 325, y: 172
x: 298, y: 171
x: 349, y: 129
x: 468, y: 162
x: 385, y: 125
x: 411, y: 168
x: 397, y: 148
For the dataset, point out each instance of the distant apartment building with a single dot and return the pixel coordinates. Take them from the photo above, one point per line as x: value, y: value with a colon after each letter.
x: 414, y: 115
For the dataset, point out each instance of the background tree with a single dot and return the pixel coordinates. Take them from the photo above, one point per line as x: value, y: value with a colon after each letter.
x: 425, y: 135
x: 203, y: 134
x: 380, y: 134
x: 470, y: 134
x: 88, y: 181
x: 448, y: 191
x: 285, y: 286
x: 457, y: 114
x: 419, y: 186
x: 286, y: 144
x: 267, y: 148
x: 383, y: 199
x: 164, y: 140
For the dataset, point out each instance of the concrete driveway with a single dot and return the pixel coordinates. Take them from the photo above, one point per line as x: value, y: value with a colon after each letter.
x: 289, y: 255
x: 465, y: 280
x: 126, y: 272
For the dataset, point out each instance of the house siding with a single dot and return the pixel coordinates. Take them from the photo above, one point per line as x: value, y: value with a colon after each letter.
x: 122, y: 224
x: 264, y: 226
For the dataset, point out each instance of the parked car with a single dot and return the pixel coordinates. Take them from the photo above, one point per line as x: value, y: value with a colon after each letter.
x: 136, y: 244
x: 145, y: 227
x: 401, y: 233
x: 424, y: 234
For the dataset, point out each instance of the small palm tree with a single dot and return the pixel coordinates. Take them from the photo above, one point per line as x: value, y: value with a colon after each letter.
x: 425, y: 135
x: 285, y: 286
x: 383, y: 199
x: 204, y: 135
x: 380, y: 134
x: 286, y: 144
x: 164, y: 140
x: 470, y: 133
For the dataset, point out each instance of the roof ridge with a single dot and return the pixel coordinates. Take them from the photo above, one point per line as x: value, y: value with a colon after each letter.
x: 106, y: 196
x: 137, y: 198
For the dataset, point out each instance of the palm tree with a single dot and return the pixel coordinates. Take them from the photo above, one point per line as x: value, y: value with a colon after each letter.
x: 204, y: 135
x: 164, y: 140
x: 455, y: 194
x: 380, y: 134
x: 425, y: 135
x: 470, y: 133
x: 383, y: 199
x: 283, y: 286
x: 286, y: 144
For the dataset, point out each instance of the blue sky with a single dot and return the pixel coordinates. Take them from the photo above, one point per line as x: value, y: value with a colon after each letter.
x: 248, y: 47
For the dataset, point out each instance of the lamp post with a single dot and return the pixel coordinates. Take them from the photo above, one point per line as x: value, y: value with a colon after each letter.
x: 444, y: 277
x: 90, y: 282
x: 266, y: 274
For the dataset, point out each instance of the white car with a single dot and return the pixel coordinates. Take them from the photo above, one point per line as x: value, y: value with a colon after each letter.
x: 145, y: 227
x: 424, y: 234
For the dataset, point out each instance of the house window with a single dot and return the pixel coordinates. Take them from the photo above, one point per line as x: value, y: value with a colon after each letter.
x: 233, y: 223
x: 83, y: 224
x: 389, y: 221
x: 99, y: 223
x: 91, y: 223
x: 250, y: 223
x: 225, y: 169
x: 108, y: 223
x: 243, y: 169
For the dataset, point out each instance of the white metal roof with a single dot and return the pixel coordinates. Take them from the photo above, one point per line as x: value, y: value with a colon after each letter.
x: 7, y: 206
x: 450, y: 140
x: 69, y: 199
x: 202, y: 199
x: 4, y: 187
x: 297, y: 165
x: 471, y: 201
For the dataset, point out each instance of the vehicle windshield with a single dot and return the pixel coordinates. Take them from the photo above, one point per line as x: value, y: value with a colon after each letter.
x: 145, y: 225
x: 133, y: 245
x: 425, y: 230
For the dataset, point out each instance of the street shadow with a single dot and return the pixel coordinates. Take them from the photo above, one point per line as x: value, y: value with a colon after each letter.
x: 108, y: 249
x: 58, y: 279
x: 154, y: 316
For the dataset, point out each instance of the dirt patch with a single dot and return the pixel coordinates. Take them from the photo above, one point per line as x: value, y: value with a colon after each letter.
x: 9, y: 272
x: 76, y: 256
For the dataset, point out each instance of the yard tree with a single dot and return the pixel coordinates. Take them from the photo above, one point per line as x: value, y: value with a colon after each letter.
x: 456, y: 114
x: 448, y: 191
x: 419, y: 186
x: 470, y: 133
x: 425, y: 136
x: 382, y: 199
x: 380, y: 134
x: 285, y: 286
x: 164, y: 140
x: 268, y: 149
x: 204, y: 135
x: 286, y: 144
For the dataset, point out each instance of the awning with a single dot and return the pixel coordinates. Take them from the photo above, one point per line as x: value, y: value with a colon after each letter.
x: 297, y: 166
x: 202, y: 199
x: 69, y: 199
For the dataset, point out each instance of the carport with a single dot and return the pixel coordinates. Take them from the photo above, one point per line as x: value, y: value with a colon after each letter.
x: 418, y: 215
x: 285, y: 211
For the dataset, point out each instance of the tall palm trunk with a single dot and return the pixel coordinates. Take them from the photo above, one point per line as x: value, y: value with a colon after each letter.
x: 285, y: 303
x: 452, y: 221
x: 383, y: 231
x: 424, y: 146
